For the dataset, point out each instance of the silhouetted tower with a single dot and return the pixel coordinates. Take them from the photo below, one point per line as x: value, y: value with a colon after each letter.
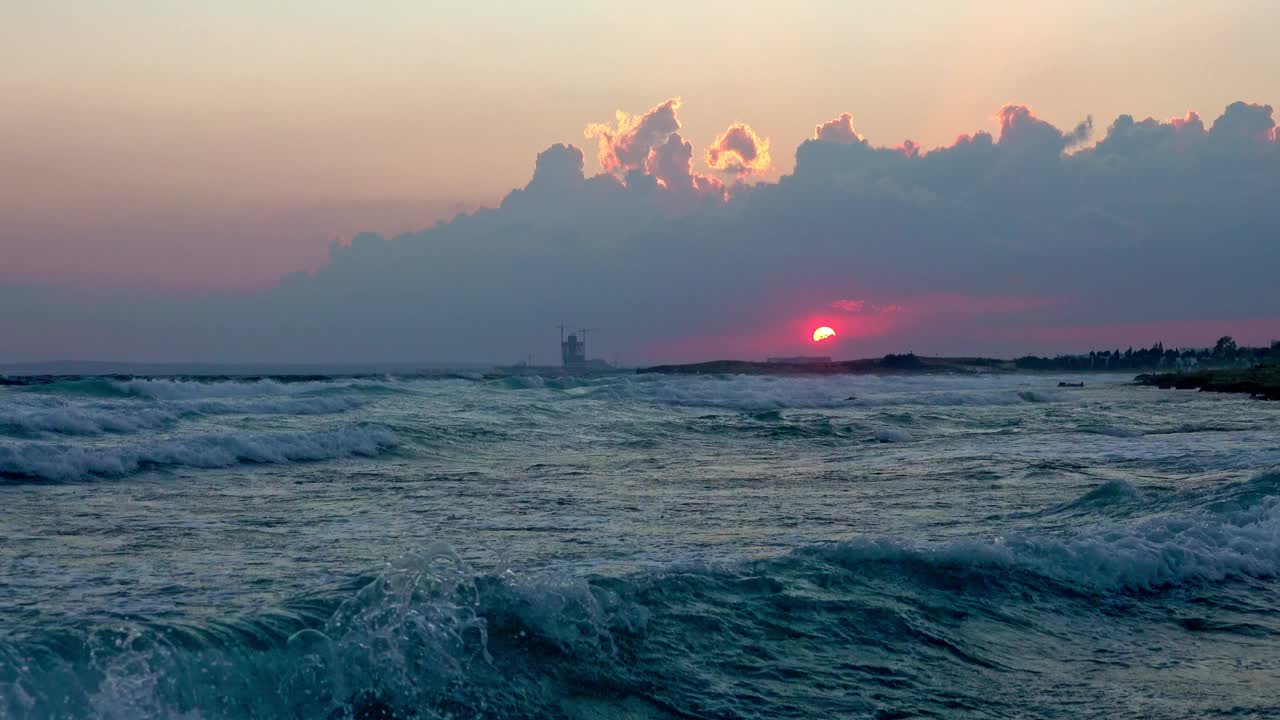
x: 573, y: 353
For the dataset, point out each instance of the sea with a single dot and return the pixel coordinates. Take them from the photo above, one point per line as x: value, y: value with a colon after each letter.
x: 637, y: 546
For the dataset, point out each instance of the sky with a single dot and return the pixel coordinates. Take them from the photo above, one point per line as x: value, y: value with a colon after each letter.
x: 180, y: 155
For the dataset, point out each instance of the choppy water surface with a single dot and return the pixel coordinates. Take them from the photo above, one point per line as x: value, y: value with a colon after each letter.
x: 637, y: 546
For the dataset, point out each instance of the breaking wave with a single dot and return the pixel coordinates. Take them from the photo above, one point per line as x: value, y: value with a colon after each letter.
x: 979, y: 616
x: 66, y: 420
x: 164, y: 389
x: 319, y: 405
x: 120, y: 418
x: 430, y: 637
x: 57, y: 461
x: 196, y: 388
x: 892, y: 435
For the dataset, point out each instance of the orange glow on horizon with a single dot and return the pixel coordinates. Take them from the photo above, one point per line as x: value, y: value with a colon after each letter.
x: 823, y: 333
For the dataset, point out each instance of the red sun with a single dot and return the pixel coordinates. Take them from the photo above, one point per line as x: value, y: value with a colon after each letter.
x: 823, y: 333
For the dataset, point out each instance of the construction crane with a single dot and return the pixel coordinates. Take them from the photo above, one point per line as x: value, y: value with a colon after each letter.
x: 573, y: 348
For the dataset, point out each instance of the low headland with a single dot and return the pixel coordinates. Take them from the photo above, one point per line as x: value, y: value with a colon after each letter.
x: 1224, y: 368
x: 908, y: 363
x: 1261, y: 382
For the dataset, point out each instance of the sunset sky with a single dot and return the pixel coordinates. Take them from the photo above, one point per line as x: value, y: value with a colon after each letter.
x: 216, y: 147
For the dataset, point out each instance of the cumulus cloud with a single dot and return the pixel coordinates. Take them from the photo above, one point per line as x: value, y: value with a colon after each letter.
x: 1246, y: 122
x: 995, y: 244
x: 1190, y: 123
x: 1020, y: 129
x: 672, y: 164
x: 626, y: 145
x: 838, y: 130
x: 559, y: 165
x: 909, y: 148
x: 739, y: 150
x: 1126, y: 136
x: 647, y: 150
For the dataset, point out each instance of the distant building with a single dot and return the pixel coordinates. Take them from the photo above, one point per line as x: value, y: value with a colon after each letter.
x: 573, y: 354
x: 801, y: 360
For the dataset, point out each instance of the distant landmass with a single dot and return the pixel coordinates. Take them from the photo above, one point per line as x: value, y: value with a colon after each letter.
x: 809, y: 366
x: 1262, y: 381
x: 1226, y: 367
x: 1225, y: 354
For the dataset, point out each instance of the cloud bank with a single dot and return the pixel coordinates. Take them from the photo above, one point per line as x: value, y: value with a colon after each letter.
x: 1002, y: 242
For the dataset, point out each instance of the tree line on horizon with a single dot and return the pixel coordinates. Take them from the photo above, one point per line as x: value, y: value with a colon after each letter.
x: 1225, y: 353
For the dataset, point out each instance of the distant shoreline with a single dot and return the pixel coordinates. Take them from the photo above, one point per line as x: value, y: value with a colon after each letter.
x: 888, y: 364
x: 1261, y: 382
x: 1258, y: 382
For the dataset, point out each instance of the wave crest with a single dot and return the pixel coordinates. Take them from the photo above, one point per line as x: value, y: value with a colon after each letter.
x: 55, y: 461
x: 82, y: 421
x: 1229, y: 541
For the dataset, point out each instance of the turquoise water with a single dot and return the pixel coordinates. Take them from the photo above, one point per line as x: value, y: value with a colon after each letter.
x: 637, y: 546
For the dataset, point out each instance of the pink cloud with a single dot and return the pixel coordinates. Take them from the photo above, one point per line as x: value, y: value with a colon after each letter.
x: 858, y: 307
x: 1020, y: 128
x: 1016, y: 119
x: 840, y: 130
x: 672, y: 164
x: 739, y: 150
x: 1190, y: 123
x: 651, y: 144
x: 978, y: 138
x: 626, y: 145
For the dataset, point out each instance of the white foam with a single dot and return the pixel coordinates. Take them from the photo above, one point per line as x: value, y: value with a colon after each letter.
x: 189, y: 389
x: 164, y: 389
x: 892, y: 435
x: 133, y: 416
x: 55, y: 461
x: 68, y: 420
x: 284, y: 406
x: 1158, y: 552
